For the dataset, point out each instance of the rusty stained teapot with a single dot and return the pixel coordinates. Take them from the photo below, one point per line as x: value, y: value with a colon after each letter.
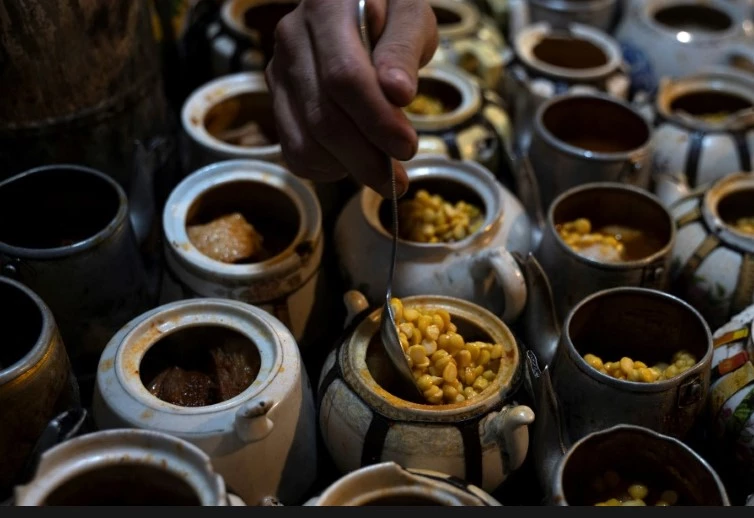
x: 574, y: 399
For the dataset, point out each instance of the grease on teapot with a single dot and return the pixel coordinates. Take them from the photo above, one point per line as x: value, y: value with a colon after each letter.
x: 630, y: 370
x: 446, y: 368
x: 610, y: 243
x: 430, y: 219
x: 619, y: 491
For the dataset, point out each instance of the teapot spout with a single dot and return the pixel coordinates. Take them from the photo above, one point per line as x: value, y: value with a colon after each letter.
x: 550, y: 441
x: 541, y: 328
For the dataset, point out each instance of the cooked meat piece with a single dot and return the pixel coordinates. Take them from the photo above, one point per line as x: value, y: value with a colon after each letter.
x: 227, y: 239
x: 235, y: 368
x: 184, y: 388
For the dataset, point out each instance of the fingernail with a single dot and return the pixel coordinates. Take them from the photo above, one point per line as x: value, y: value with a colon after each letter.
x: 402, y: 79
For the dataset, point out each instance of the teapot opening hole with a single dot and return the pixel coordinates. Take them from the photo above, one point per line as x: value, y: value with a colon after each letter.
x: 434, y: 97
x: 124, y: 484
x: 245, y: 120
x: 218, y: 222
x: 21, y: 324
x: 383, y: 372
x: 635, y: 457
x: 200, y: 366
x: 710, y: 106
x: 693, y: 18
x: 736, y: 209
x: 641, y: 226
x: 263, y: 19
x: 567, y: 52
x: 450, y: 191
x: 641, y: 325
x: 446, y: 16
x: 596, y: 125
x: 55, y: 208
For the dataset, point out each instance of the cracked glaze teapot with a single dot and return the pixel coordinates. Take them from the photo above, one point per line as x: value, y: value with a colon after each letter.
x: 478, y: 268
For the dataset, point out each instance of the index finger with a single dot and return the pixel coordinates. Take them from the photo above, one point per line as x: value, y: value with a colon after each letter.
x: 348, y: 77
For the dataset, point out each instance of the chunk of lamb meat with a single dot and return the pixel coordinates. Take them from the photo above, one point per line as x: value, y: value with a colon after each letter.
x: 227, y: 239
x: 183, y: 388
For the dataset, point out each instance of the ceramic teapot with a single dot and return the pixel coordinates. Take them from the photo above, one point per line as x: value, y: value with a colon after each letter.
x: 675, y: 38
x: 470, y: 40
x: 477, y: 268
x: 364, y: 421
x: 258, y: 429
x: 638, y: 323
x: 600, y: 14
x: 712, y: 266
x: 387, y: 483
x: 125, y: 467
x: 703, y: 130
x: 474, y: 124
x: 548, y: 60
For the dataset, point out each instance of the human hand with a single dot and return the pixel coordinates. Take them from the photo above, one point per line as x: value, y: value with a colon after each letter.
x: 337, y: 111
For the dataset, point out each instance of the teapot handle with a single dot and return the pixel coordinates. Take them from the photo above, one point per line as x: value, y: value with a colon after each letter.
x: 509, y: 277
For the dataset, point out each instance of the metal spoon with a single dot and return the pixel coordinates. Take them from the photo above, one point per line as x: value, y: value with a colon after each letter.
x: 388, y: 330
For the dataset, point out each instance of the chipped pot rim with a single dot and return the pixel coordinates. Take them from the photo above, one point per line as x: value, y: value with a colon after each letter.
x: 105, y: 448
x: 532, y: 35
x: 209, y: 95
x: 718, y: 191
x: 631, y: 190
x: 9, y: 374
x: 699, y: 368
x: 558, y: 489
x: 471, y: 175
x: 463, y: 83
x: 117, y: 222
x: 355, y: 371
x: 122, y: 392
x: 203, y: 180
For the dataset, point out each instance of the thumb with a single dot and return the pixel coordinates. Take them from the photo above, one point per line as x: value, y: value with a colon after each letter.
x: 408, y: 42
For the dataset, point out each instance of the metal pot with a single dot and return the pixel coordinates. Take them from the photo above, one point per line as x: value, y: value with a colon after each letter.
x: 124, y: 467
x: 469, y: 40
x: 676, y: 38
x: 712, y: 266
x: 665, y: 461
x: 36, y: 381
x: 243, y: 37
x: 476, y: 127
x: 387, y: 483
x: 690, y: 152
x: 580, y: 138
x: 638, y: 323
x: 548, y: 61
x: 481, y: 440
x: 65, y: 232
x: 478, y: 268
x: 282, y: 208
x: 263, y: 440
x: 573, y: 276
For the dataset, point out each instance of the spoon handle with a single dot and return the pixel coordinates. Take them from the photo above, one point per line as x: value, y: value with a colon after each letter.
x: 364, y: 33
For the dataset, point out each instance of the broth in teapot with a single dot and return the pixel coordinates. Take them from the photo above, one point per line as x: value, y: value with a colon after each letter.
x: 609, y: 243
